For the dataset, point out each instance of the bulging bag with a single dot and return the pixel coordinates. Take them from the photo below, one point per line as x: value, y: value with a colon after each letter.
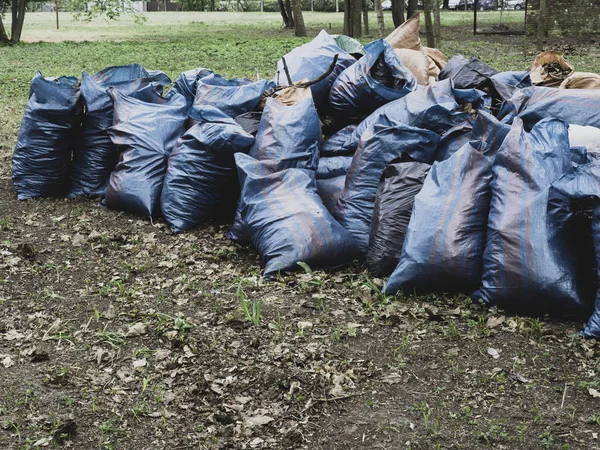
x: 41, y: 160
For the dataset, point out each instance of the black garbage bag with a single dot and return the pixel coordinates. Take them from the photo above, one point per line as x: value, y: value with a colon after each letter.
x: 289, y: 135
x: 529, y: 262
x: 400, y: 183
x: 337, y: 143
x: 579, y: 191
x: 136, y: 183
x: 310, y: 61
x: 201, y: 180
x: 187, y: 82
x: 330, y: 190
x: 468, y: 73
x: 378, y: 147
x: 249, y: 121
x: 234, y: 97
x: 374, y: 80
x: 574, y: 106
x: 445, y: 239
x: 41, y: 160
x: 95, y: 156
x: 287, y: 221
x: 437, y: 107
x: 333, y: 166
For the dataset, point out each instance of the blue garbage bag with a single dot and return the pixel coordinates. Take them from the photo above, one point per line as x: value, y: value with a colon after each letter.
x: 445, y: 239
x: 334, y: 166
x: 454, y: 139
x: 234, y: 97
x: 187, y: 82
x: 374, y: 80
x: 146, y: 133
x: 336, y: 144
x: 330, y: 190
x: 580, y: 192
x: 436, y: 107
x: 287, y: 221
x: 313, y: 59
x: 468, y: 73
x: 488, y: 132
x: 41, y: 160
x: 529, y: 263
x: 504, y: 84
x: 400, y: 183
x: 201, y: 180
x: 95, y: 156
x: 378, y: 146
x: 289, y: 135
x: 575, y: 106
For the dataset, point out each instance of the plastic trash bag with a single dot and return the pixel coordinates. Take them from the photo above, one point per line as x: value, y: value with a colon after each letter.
x: 453, y: 140
x: 187, y: 82
x: 437, y: 107
x: 313, y: 59
x: 333, y: 166
x: 349, y: 45
x: 378, y: 147
x: 529, y: 262
x: 575, y: 106
x: 136, y: 183
x: 468, y: 73
x: 249, y: 121
x: 41, y: 160
x: 287, y: 221
x: 289, y: 135
x: 374, y: 80
x: 445, y: 238
x: 95, y: 156
x: 400, y: 183
x: 330, y: 190
x: 337, y: 143
x: 201, y: 181
x: 233, y: 97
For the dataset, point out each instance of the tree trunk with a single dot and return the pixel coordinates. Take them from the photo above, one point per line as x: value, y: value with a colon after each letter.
x: 412, y: 8
x: 352, y: 15
x: 366, y: 15
x: 284, y: 14
x: 379, y: 12
x: 3, y: 35
x: 542, y: 23
x: 18, y: 17
x: 300, y: 29
x: 436, y: 23
x: 428, y: 23
x: 290, y: 13
x: 398, y: 12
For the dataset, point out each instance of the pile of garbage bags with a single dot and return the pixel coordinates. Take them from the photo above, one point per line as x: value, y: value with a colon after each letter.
x: 442, y: 176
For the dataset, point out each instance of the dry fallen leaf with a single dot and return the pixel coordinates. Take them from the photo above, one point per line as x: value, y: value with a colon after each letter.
x: 493, y: 353
x: 593, y: 392
x: 137, y: 329
x: 257, y: 421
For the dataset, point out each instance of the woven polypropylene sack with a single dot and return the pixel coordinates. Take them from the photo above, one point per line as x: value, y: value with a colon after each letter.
x: 333, y: 166
x: 529, y: 264
x: 289, y: 135
x: 443, y: 247
x: 400, y: 183
x: 95, y: 156
x: 136, y: 183
x: 358, y: 91
x: 468, y: 73
x: 201, y: 180
x: 330, y: 190
x: 41, y: 160
x: 187, y: 83
x: 287, y: 221
x: 378, y: 147
x: 234, y: 97
x: 336, y: 144
x: 310, y: 61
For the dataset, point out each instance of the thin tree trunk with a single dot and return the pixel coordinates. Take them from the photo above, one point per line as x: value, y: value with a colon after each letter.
x: 436, y: 23
x: 284, y: 14
x: 542, y: 23
x: 300, y: 29
x: 18, y: 16
x: 3, y: 35
x: 379, y: 12
x: 398, y: 12
x: 428, y: 23
x: 412, y: 8
x: 366, y: 15
x: 290, y: 13
x: 352, y: 16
